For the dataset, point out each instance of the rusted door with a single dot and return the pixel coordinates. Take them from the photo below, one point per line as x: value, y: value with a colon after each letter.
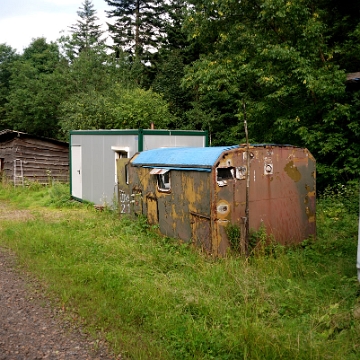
x: 281, y: 193
x: 124, y: 195
x: 152, y: 209
x: 201, y: 231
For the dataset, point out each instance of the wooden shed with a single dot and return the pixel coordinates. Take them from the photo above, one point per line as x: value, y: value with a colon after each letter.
x: 25, y: 157
x: 198, y: 194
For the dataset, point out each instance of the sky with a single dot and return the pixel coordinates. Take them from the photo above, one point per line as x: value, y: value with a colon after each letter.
x: 24, y: 20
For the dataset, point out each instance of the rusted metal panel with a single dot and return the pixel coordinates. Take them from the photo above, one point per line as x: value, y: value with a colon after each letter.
x: 152, y: 209
x: 282, y: 194
x: 124, y: 194
x: 285, y: 199
x: 201, y: 231
x: 198, y: 206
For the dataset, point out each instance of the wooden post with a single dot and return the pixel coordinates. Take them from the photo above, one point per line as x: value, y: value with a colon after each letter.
x: 247, y: 184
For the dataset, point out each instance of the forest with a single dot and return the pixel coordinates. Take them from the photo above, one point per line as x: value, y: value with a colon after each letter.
x: 286, y: 66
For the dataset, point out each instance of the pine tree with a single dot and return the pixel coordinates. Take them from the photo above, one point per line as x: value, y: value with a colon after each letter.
x: 86, y: 33
x: 137, y: 28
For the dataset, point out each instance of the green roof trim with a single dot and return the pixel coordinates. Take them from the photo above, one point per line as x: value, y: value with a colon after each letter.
x: 174, y: 132
x: 105, y: 132
x: 143, y: 132
x: 139, y: 131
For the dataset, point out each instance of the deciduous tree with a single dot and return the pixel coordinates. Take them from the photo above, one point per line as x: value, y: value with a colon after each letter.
x: 274, y: 55
x: 7, y: 56
x: 34, y: 95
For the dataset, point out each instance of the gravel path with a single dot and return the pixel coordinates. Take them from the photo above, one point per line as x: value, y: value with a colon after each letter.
x: 30, y: 329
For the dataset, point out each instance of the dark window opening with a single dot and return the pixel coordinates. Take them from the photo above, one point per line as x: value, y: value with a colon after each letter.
x: 164, y: 181
x: 225, y: 173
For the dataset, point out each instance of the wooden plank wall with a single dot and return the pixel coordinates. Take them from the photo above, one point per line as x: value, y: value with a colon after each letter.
x: 42, y: 161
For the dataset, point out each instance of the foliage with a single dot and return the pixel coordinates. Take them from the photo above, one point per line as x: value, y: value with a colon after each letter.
x: 274, y: 55
x: 115, y: 108
x: 34, y: 95
x: 233, y: 233
x: 137, y: 26
x: 342, y: 197
x: 286, y: 60
x: 86, y: 33
x: 7, y: 56
x: 170, y: 71
x: 153, y: 297
x: 168, y: 65
x: 42, y: 56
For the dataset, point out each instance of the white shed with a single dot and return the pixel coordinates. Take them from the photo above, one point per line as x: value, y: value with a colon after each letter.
x: 93, y: 155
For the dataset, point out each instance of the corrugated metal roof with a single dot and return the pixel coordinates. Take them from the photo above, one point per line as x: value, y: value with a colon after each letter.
x: 181, y: 157
x: 8, y: 134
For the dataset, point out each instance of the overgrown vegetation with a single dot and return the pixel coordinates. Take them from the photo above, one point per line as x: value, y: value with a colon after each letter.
x: 192, y: 65
x: 152, y: 297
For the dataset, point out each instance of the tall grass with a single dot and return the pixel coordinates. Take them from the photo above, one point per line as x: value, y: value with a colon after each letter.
x: 152, y: 297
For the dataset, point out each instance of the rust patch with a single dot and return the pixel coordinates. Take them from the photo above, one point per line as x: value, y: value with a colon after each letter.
x: 152, y: 211
x: 292, y: 171
x: 310, y: 194
x: 310, y: 215
x: 151, y: 195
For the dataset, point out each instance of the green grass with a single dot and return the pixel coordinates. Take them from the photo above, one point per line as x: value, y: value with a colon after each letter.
x: 151, y: 297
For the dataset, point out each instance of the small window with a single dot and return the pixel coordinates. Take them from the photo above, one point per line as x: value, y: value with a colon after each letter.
x: 225, y: 173
x: 164, y: 181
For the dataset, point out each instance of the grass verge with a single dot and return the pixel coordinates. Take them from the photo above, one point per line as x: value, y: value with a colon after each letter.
x: 151, y: 297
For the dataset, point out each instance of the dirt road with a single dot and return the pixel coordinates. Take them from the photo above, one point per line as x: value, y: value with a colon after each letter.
x: 30, y: 329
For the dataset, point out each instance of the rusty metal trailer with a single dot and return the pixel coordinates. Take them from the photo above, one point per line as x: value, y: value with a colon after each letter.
x: 195, y: 194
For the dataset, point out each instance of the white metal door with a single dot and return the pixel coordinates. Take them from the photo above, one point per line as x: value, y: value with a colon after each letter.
x: 76, y: 171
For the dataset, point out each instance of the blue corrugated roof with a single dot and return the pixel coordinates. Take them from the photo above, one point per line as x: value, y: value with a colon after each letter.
x: 183, y: 157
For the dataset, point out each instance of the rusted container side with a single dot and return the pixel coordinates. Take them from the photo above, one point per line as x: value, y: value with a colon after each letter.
x: 183, y: 212
x: 281, y: 194
x: 197, y: 202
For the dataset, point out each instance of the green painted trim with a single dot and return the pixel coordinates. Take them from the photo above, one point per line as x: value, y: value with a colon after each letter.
x: 174, y: 132
x: 80, y: 200
x: 139, y: 131
x: 141, y: 140
x: 70, y: 163
x: 207, y: 139
x: 104, y: 132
